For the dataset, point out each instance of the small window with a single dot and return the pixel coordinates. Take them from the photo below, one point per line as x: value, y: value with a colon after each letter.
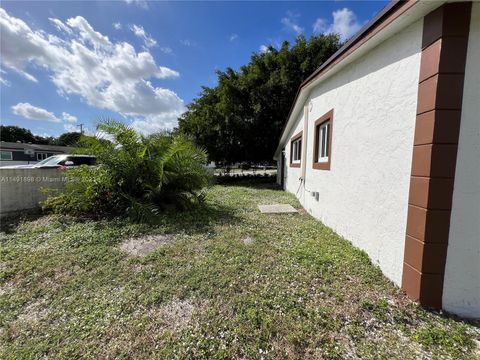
x: 296, y: 150
x: 41, y: 156
x: 323, y: 142
x: 6, y: 155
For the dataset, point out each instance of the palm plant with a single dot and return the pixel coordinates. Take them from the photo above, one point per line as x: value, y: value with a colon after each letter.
x: 145, y: 173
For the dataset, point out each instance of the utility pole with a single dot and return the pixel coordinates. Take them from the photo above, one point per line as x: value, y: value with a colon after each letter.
x: 81, y: 128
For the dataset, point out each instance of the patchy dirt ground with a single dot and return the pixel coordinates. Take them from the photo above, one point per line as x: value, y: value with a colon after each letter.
x: 175, y: 315
x: 222, y: 281
x: 248, y: 240
x: 144, y: 245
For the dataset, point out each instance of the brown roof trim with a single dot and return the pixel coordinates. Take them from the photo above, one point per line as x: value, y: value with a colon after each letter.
x: 388, y: 14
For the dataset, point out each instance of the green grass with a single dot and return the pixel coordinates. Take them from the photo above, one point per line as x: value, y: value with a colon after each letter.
x: 297, y: 291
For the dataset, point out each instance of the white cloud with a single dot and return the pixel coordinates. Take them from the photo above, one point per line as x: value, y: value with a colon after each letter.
x: 29, y: 111
x: 320, y: 25
x: 263, y: 48
x: 60, y: 25
x: 117, y: 26
x: 3, y: 81
x: 139, y: 32
x: 88, y: 34
x: 69, y: 118
x: 107, y: 75
x: 70, y: 128
x: 233, y: 37
x: 140, y: 3
x: 345, y: 24
x: 186, y: 42
x: 155, y: 123
x: 166, y: 50
x: 291, y: 22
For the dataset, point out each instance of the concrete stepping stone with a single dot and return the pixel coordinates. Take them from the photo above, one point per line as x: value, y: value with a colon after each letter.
x: 277, y: 209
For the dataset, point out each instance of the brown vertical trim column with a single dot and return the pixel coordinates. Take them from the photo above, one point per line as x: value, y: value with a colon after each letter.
x: 440, y: 91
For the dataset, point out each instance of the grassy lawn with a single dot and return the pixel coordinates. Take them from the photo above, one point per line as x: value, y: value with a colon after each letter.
x: 229, y: 283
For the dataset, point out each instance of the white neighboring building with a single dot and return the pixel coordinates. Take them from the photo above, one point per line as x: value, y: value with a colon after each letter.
x: 382, y: 144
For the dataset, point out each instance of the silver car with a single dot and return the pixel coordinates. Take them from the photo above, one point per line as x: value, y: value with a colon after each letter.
x: 56, y: 161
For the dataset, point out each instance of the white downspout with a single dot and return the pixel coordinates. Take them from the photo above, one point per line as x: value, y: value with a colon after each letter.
x: 304, y: 145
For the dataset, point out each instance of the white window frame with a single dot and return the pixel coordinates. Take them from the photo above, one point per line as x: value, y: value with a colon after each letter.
x: 297, y: 151
x: 323, y: 133
x: 42, y: 156
x: 3, y: 152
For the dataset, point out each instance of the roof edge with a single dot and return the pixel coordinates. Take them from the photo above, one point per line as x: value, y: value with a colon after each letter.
x: 389, y: 13
x: 370, y: 25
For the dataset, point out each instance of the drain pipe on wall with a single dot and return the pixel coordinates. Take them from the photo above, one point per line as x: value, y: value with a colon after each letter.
x: 304, y: 149
x: 303, y: 178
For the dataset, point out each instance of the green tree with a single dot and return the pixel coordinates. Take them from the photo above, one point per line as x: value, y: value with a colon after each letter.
x: 13, y: 133
x: 241, y: 118
x: 68, y: 139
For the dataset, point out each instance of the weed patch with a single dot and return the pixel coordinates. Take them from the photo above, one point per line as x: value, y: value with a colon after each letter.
x: 219, y: 281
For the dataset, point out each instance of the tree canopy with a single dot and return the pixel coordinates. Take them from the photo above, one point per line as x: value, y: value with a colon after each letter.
x: 68, y: 139
x: 12, y: 133
x: 241, y: 118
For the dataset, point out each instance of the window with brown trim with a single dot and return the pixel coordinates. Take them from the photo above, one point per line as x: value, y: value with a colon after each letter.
x: 322, y: 146
x: 296, y: 150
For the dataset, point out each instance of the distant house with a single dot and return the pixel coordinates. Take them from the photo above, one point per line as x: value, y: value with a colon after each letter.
x: 382, y: 144
x: 16, y: 153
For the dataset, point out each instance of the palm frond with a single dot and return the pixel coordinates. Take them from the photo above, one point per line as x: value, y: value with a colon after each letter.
x: 148, y: 172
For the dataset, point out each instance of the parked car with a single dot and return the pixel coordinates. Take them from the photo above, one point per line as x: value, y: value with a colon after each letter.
x: 57, y: 161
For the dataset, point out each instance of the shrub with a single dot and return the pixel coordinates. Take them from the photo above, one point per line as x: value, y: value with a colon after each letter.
x: 88, y: 190
x: 230, y: 179
x: 137, y: 175
x: 245, y: 166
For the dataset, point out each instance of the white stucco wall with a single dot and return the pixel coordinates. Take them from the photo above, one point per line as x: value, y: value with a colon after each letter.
x: 461, y: 292
x: 364, y: 196
x: 293, y: 173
